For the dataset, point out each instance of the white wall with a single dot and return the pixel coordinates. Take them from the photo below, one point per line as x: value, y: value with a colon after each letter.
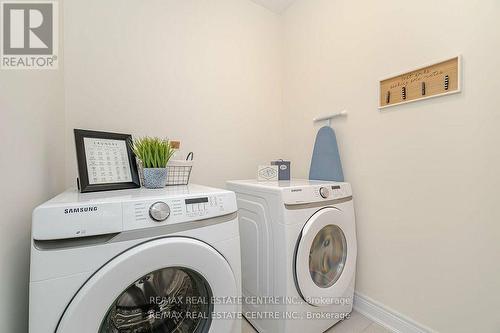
x: 205, y: 72
x: 32, y: 160
x: 425, y: 175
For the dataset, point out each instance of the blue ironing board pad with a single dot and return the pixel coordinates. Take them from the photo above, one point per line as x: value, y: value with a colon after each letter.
x: 325, y: 162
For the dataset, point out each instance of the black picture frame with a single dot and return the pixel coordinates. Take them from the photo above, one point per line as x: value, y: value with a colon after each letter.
x: 84, y: 184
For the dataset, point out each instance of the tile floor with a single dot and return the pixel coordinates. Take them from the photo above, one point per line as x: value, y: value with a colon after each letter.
x: 357, y: 323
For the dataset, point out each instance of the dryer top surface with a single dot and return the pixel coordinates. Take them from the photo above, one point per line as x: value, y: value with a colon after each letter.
x: 296, y: 191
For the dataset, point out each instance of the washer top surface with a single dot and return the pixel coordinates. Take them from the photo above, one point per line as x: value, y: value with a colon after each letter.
x: 75, y: 197
x: 73, y: 215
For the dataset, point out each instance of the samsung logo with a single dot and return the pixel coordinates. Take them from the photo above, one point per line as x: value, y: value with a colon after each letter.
x: 297, y: 190
x: 80, y: 210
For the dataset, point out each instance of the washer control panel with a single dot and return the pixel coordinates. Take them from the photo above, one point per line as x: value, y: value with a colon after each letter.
x: 199, y: 207
x: 75, y: 215
x: 145, y: 214
x: 159, y: 211
x: 316, y: 193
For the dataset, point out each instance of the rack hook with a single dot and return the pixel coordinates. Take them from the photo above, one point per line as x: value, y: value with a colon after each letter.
x: 330, y: 117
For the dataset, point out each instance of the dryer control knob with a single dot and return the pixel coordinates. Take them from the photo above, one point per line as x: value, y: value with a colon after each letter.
x: 324, y: 192
x: 159, y: 211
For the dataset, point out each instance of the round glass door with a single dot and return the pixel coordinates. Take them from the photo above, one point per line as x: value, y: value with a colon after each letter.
x: 159, y: 286
x: 327, y: 256
x: 325, y: 259
x: 165, y: 301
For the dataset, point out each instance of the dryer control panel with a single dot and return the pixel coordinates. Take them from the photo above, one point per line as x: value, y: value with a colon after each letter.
x: 316, y: 193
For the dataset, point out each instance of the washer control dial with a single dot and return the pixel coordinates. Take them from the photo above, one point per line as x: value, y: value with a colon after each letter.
x: 324, y: 192
x: 159, y: 211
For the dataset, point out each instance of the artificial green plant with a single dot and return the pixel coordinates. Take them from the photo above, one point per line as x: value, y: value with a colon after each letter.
x: 153, y: 152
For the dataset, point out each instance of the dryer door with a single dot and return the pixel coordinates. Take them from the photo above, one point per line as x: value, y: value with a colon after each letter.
x: 326, y: 257
x: 162, y: 286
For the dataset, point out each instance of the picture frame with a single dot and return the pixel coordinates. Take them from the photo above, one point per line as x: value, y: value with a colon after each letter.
x: 106, y: 161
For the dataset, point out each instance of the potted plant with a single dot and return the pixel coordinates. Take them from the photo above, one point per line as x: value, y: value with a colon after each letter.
x: 154, y: 154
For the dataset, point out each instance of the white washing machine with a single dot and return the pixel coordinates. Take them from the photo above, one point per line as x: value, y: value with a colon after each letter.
x: 139, y: 260
x: 298, y: 241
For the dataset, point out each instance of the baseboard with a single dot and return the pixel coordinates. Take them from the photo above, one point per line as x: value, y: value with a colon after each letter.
x: 387, y: 317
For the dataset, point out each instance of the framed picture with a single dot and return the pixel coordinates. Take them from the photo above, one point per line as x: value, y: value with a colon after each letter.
x: 105, y: 161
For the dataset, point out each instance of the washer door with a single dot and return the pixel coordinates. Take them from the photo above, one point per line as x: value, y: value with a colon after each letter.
x: 161, y: 286
x: 325, y: 257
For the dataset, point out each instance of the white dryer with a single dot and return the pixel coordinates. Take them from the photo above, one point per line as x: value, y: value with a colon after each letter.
x: 298, y: 241
x: 137, y: 260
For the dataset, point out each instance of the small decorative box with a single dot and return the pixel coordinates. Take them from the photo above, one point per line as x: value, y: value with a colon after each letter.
x: 283, y: 169
x: 267, y: 172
